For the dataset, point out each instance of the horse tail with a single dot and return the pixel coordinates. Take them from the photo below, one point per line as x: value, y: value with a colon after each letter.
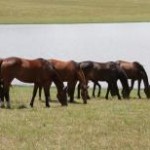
x: 143, y: 73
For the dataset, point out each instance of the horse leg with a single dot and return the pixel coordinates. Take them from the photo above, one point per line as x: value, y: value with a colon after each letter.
x: 115, y: 86
x: 117, y: 90
x: 47, y: 94
x: 7, y: 97
x: 139, y: 86
x: 78, y: 91
x: 99, y: 91
x: 2, y: 105
x: 33, y: 95
x: 40, y: 92
x: 107, y: 93
x: 94, y: 87
x: 71, y: 89
x: 132, y: 84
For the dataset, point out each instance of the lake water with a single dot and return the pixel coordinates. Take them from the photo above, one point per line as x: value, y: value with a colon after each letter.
x: 98, y: 42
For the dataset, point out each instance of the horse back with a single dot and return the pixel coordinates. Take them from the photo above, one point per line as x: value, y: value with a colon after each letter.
x: 66, y: 69
x: 37, y: 70
x: 132, y: 69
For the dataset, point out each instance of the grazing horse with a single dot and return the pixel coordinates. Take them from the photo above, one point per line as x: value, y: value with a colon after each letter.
x: 135, y: 71
x: 109, y: 72
x: 70, y: 72
x: 37, y: 71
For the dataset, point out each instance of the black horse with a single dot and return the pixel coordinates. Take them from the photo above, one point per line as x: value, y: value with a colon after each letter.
x: 109, y: 72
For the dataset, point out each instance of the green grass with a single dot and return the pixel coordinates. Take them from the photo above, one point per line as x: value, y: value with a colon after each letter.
x: 74, y: 11
x: 101, y: 124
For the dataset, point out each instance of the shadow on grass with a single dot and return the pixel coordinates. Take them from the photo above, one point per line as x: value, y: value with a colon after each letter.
x: 22, y: 107
x: 57, y: 101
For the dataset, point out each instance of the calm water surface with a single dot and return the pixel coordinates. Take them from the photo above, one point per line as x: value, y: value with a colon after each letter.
x: 99, y: 42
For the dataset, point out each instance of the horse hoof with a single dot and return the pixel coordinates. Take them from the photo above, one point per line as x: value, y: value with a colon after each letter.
x: 8, y: 107
x: 64, y: 105
x: 31, y: 105
x: 2, y: 106
x: 47, y: 105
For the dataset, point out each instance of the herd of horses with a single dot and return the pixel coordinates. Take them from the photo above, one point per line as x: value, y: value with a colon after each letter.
x: 43, y: 72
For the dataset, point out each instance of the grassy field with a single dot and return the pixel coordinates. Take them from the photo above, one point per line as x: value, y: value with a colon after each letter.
x: 101, y: 124
x: 74, y: 11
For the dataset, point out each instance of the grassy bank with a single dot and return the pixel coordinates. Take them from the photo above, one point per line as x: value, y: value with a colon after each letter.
x: 98, y: 125
x: 74, y: 11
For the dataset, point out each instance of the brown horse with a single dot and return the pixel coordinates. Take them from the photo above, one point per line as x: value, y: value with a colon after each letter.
x: 70, y: 72
x: 135, y: 71
x: 109, y: 72
x: 37, y: 71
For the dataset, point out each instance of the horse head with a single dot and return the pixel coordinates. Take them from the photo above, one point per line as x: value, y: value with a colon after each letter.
x: 113, y: 88
x: 62, y: 96
x: 126, y: 93
x: 84, y: 92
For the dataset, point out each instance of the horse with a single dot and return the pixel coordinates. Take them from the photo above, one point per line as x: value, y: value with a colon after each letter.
x: 38, y: 71
x: 70, y: 72
x: 109, y: 72
x: 135, y: 71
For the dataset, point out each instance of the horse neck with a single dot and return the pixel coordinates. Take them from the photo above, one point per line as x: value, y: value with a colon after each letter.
x: 59, y: 84
x: 57, y: 80
x: 81, y: 76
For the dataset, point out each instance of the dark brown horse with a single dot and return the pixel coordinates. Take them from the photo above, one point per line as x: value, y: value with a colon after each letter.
x: 37, y: 71
x: 135, y: 71
x: 70, y: 72
x: 109, y: 72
